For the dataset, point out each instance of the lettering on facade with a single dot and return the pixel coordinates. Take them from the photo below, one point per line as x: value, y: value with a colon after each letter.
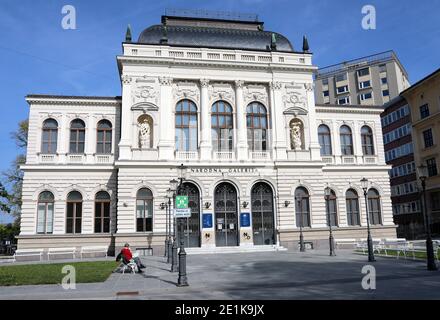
x: 224, y: 170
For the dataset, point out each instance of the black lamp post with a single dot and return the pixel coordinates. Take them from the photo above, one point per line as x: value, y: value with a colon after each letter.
x: 169, y: 241
x: 422, y: 172
x: 302, y: 247
x: 182, y: 280
x: 328, y: 193
x: 163, y: 206
x: 364, y: 184
x: 173, y: 187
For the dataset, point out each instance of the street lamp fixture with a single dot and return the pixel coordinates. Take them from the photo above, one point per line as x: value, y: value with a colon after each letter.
x: 286, y: 203
x: 364, y: 185
x: 423, y: 174
x: 173, y: 185
x: 328, y: 193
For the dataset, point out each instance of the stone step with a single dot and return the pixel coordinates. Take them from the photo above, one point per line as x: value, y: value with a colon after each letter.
x: 237, y: 249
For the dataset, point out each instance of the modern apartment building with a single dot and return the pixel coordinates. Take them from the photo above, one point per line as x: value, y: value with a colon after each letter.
x: 398, y: 146
x: 424, y: 101
x: 371, y: 80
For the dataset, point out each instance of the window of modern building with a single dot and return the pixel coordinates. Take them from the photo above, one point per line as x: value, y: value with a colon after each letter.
x: 428, y: 138
x: 326, y: 93
x: 325, y: 140
x: 435, y: 201
x: 77, y: 136
x: 374, y: 207
x: 363, y: 72
x: 325, y: 82
x: 144, y: 210
x: 432, y: 167
x: 367, y: 141
x: 49, y: 136
x: 102, y: 212
x: 366, y: 96
x: 104, y: 137
x: 74, y: 212
x: 341, y: 77
x: 342, y: 89
x: 364, y: 84
x: 382, y: 68
x: 256, y: 120
x: 186, y: 126
x: 385, y: 93
x: 346, y: 140
x: 222, y: 126
x: 397, y: 133
x: 302, y: 207
x: 45, y: 212
x: 398, y: 152
x: 384, y: 80
x: 424, y: 111
x: 344, y: 100
x: 331, y: 206
x: 352, y: 205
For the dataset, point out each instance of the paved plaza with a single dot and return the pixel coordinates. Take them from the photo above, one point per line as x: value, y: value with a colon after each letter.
x: 263, y: 275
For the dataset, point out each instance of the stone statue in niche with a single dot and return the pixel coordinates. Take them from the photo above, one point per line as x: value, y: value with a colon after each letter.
x: 144, y: 133
x: 295, y: 135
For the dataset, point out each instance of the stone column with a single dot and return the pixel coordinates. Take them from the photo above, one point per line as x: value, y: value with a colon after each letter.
x: 242, y: 147
x: 125, y: 142
x: 63, y: 142
x: 336, y: 142
x: 205, y: 128
x: 166, y: 120
x: 90, y: 147
x: 315, y: 149
x: 357, y: 142
x: 279, y: 142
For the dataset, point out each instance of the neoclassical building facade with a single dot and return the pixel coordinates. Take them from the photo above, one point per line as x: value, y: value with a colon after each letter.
x: 235, y: 105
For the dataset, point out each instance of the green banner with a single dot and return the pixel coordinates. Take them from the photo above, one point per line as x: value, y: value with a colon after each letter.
x: 182, y: 202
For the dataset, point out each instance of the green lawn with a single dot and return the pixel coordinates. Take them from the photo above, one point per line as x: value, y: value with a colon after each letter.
x: 409, y: 255
x: 95, y: 271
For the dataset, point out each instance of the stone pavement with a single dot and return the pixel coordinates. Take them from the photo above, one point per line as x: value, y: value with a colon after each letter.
x: 264, y: 275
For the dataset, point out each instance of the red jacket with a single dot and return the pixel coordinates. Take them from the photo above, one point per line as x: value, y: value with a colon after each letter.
x: 126, y: 252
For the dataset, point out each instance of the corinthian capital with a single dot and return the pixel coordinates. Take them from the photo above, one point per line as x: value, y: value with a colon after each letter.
x: 275, y: 85
x: 239, y: 83
x: 165, y: 81
x: 308, y: 86
x: 204, y: 83
x: 126, y: 79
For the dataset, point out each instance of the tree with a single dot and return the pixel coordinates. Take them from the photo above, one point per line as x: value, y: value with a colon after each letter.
x: 13, y: 177
x: 4, y: 198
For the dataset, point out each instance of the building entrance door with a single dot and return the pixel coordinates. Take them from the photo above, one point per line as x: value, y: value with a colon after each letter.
x: 191, y: 225
x: 262, y: 214
x: 226, y: 221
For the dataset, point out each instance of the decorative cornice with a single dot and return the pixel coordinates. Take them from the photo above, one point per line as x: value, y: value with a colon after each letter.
x: 72, y: 100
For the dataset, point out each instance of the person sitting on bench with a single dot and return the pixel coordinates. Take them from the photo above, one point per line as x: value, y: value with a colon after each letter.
x: 127, y: 256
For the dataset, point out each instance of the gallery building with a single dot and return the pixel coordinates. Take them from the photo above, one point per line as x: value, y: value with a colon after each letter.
x: 235, y: 105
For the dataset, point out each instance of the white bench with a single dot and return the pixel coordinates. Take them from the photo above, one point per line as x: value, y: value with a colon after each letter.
x: 400, y: 245
x: 28, y: 253
x: 363, y: 244
x: 339, y: 242
x: 94, y: 249
x: 420, y: 246
x: 60, y: 251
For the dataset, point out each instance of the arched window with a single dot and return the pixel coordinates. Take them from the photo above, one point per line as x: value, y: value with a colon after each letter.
x: 302, y: 207
x: 325, y: 140
x: 367, y: 141
x: 144, y: 210
x: 49, y: 137
x: 296, y: 134
x: 256, y: 120
x: 74, y: 212
x: 45, y: 212
x: 222, y: 126
x: 352, y: 205
x: 186, y: 126
x: 374, y: 206
x: 346, y: 141
x: 77, y: 136
x: 331, y: 206
x: 104, y: 137
x: 102, y: 212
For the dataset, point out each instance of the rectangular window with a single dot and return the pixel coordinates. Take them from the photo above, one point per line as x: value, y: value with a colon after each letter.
x: 424, y: 111
x: 365, y: 96
x: 432, y: 167
x: 325, y: 93
x: 342, y: 89
x: 428, y: 138
x: 385, y: 93
x: 383, y: 80
x: 382, y: 68
x: 435, y: 201
x: 363, y: 72
x: 364, y: 84
x: 325, y: 82
x: 344, y: 100
x: 341, y: 77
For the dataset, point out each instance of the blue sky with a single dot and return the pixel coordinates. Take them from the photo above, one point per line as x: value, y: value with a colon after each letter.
x: 38, y: 56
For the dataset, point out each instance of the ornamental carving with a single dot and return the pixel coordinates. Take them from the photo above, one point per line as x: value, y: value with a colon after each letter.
x: 126, y: 79
x: 165, y: 81
x: 145, y: 93
x: 222, y: 91
x: 275, y: 85
x: 186, y: 90
x: 255, y: 93
x: 308, y: 86
x: 294, y: 99
x: 204, y: 83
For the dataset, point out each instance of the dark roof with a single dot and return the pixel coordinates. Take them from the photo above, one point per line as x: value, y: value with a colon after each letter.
x: 210, y: 37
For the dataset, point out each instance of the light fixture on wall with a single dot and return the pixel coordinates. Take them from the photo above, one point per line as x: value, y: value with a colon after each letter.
x: 245, y: 204
x: 207, y: 204
x: 286, y: 203
x: 162, y: 206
